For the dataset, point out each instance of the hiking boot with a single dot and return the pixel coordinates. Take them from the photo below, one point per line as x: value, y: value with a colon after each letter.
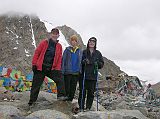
x: 86, y: 110
x: 62, y: 98
x: 81, y: 110
x: 69, y: 99
x: 29, y: 109
x: 32, y: 104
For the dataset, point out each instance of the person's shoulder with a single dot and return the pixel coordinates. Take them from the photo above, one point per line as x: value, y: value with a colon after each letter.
x: 59, y: 44
x: 43, y: 41
x: 97, y: 51
x: 68, y: 48
x: 79, y: 49
x: 85, y: 50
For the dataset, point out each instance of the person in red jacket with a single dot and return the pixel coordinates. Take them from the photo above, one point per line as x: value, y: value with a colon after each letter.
x: 46, y: 61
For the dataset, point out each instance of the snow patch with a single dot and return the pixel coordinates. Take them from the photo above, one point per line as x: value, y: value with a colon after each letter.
x: 15, y: 48
x: 99, y: 74
x: 49, y: 26
x: 27, y: 53
x: 62, y: 41
x: 17, y: 42
x: 33, y: 38
x: 12, y: 32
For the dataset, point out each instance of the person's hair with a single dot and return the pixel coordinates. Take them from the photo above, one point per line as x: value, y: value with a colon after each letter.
x: 92, y: 39
x: 149, y: 85
x: 74, y: 37
x: 55, y: 30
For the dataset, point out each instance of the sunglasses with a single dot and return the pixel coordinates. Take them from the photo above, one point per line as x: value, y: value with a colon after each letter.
x: 92, y: 40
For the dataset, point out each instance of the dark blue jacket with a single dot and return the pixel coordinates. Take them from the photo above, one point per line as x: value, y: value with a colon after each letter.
x: 95, y: 62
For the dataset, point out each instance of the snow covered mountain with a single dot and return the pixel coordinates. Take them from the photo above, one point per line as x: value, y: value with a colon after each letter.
x: 20, y: 34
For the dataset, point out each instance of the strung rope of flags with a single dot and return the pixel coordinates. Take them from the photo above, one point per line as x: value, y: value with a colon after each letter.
x: 13, y: 80
x: 51, y: 85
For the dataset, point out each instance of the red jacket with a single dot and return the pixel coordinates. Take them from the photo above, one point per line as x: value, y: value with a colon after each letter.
x: 39, y: 53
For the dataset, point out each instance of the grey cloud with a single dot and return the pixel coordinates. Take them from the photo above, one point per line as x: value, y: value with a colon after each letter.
x: 125, y: 29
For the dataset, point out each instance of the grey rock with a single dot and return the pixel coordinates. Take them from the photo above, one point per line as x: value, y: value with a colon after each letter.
x: 7, y: 111
x: 48, y: 114
x: 117, y: 114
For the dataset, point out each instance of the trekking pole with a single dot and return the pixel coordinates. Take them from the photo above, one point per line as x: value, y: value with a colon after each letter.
x: 84, y: 75
x: 96, y: 72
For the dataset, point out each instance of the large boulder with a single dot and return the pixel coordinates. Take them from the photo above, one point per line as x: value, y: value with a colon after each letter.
x: 47, y: 114
x: 116, y: 114
x: 7, y: 111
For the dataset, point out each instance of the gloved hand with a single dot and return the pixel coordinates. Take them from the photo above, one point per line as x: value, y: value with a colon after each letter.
x: 98, y: 65
x: 86, y: 61
x: 34, y: 68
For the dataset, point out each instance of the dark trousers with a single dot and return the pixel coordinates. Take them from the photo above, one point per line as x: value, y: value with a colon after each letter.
x: 70, y: 85
x: 89, y: 89
x: 38, y: 79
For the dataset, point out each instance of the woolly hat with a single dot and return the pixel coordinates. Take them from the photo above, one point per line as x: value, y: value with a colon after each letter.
x: 74, y: 37
x: 55, y: 30
x: 93, y: 39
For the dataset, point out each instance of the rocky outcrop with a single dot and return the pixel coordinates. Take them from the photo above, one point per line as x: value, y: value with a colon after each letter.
x: 116, y: 114
x: 20, y: 33
x: 67, y: 32
x: 156, y: 88
x: 48, y: 114
x: 18, y: 36
x: 47, y: 107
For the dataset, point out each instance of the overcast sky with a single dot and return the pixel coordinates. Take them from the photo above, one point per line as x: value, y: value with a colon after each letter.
x: 128, y: 31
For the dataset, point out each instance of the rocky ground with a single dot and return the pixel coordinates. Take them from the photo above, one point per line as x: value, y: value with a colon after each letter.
x: 14, y: 106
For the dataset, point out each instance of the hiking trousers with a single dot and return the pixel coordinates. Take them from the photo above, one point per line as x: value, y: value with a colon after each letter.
x: 70, y: 85
x: 38, y: 79
x: 89, y: 89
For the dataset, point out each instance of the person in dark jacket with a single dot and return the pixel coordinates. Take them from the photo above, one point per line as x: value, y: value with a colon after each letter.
x: 71, y: 66
x: 92, y: 60
x: 46, y: 61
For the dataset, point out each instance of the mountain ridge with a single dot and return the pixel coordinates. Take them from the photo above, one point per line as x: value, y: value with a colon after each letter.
x: 19, y: 34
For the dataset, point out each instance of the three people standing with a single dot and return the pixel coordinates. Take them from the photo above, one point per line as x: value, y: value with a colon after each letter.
x: 74, y: 65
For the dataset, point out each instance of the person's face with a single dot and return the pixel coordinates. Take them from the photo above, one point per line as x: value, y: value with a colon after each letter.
x: 92, y: 43
x: 73, y: 43
x: 54, y: 36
